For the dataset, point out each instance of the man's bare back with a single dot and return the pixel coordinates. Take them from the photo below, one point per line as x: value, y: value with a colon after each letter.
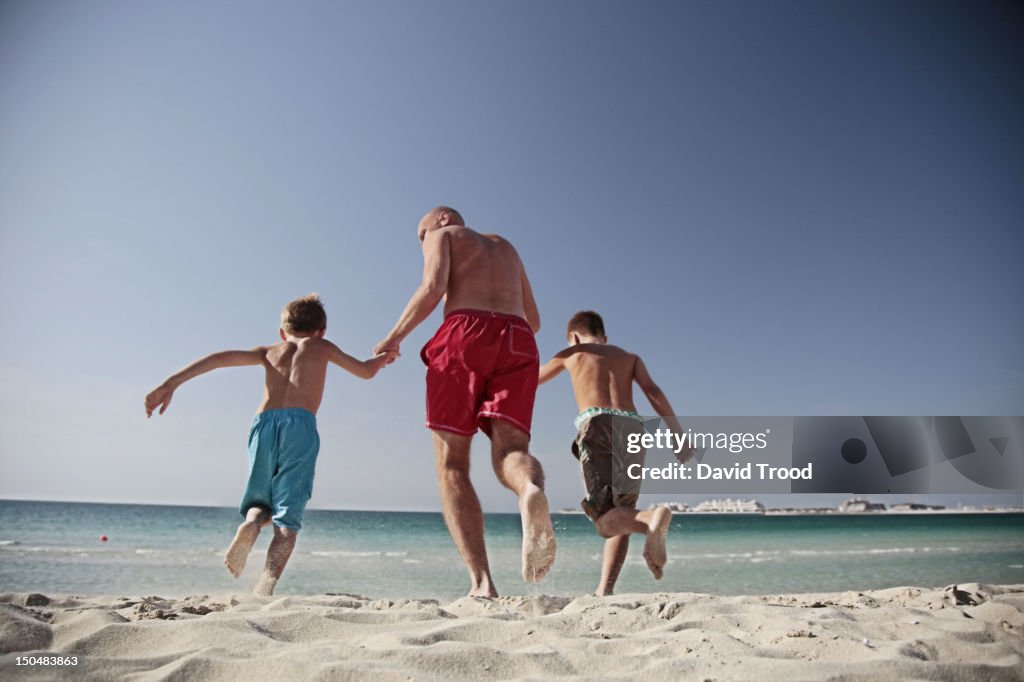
x: 485, y: 273
x: 470, y: 271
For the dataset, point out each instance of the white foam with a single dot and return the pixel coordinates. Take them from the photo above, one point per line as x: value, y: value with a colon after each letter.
x: 871, y: 550
x: 354, y: 554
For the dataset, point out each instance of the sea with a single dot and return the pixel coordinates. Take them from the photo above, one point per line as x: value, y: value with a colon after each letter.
x: 170, y: 551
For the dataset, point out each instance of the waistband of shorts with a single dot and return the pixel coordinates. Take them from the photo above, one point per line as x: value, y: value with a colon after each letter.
x: 473, y: 312
x: 595, y: 411
x: 281, y: 412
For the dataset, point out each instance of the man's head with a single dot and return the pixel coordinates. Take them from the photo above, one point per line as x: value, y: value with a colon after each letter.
x: 586, y: 326
x: 436, y: 218
x: 304, y: 317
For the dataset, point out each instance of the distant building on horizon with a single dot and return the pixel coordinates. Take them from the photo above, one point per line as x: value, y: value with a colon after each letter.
x: 730, y: 506
x: 915, y: 506
x: 859, y: 504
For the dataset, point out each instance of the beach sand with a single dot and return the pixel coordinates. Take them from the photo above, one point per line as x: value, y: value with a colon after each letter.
x: 971, y: 633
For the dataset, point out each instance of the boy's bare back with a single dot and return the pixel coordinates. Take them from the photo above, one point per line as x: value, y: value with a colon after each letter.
x: 295, y: 372
x: 602, y: 375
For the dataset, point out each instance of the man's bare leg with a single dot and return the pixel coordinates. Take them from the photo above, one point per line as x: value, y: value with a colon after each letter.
x: 461, y: 508
x: 653, y: 523
x: 615, y: 549
x: 278, y: 553
x: 245, y: 538
x: 520, y: 472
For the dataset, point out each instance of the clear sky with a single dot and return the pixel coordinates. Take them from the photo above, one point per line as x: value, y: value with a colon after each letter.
x: 785, y: 208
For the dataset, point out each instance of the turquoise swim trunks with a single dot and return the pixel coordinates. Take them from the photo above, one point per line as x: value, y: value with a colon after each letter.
x: 283, y: 445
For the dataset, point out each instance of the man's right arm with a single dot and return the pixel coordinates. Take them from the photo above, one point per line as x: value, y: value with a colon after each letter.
x: 436, y: 266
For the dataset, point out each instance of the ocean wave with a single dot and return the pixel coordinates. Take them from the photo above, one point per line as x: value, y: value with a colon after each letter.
x: 732, y: 555
x: 5, y: 543
x: 872, y: 550
x: 352, y: 553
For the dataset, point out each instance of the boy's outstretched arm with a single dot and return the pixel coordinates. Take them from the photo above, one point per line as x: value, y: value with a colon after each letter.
x: 364, y: 369
x: 161, y: 395
x: 660, y: 404
x: 551, y: 369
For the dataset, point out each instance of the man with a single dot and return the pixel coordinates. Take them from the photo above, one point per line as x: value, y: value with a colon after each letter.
x: 482, y: 369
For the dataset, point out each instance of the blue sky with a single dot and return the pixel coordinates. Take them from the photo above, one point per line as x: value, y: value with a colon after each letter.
x: 785, y: 208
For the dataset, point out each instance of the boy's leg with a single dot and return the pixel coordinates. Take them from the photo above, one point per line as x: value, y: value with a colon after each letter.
x: 615, y: 549
x: 520, y: 472
x: 245, y: 538
x: 277, y: 558
x: 653, y: 523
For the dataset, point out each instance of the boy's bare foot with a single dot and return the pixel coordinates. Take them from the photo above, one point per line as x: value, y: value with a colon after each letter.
x: 654, y: 548
x: 238, y: 552
x: 277, y: 558
x: 538, y: 535
x: 265, y: 586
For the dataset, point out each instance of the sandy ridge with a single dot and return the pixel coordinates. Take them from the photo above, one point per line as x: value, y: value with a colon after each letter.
x: 970, y: 632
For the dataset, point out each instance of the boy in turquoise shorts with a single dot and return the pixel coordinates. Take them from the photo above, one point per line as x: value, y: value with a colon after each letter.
x: 602, y: 379
x: 283, y: 440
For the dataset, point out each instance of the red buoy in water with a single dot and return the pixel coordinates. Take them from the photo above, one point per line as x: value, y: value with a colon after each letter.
x: 103, y: 538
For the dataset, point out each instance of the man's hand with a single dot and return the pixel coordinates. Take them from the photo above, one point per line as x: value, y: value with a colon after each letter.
x: 389, y: 347
x: 159, y: 397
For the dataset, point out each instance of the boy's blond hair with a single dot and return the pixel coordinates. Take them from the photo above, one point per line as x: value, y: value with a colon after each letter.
x: 304, y: 315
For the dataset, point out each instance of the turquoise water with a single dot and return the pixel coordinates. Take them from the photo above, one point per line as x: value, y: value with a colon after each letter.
x: 176, y: 551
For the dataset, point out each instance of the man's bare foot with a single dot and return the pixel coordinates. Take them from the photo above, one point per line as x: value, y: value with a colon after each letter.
x: 654, y: 547
x: 538, y: 535
x: 486, y: 592
x: 238, y: 552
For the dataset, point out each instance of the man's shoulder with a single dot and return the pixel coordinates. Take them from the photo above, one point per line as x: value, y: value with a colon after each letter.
x: 469, y: 232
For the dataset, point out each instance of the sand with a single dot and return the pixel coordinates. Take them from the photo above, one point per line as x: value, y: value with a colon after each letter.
x: 971, y: 633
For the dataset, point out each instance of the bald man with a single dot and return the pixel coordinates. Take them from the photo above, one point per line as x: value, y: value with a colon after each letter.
x: 482, y: 369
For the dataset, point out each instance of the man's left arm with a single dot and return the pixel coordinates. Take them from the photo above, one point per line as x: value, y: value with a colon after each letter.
x: 529, y: 302
x: 436, y: 266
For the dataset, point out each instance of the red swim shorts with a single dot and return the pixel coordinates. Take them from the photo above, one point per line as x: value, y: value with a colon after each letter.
x: 480, y: 366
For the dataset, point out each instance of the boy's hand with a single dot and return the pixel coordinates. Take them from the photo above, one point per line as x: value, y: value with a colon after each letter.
x: 158, y: 397
x: 379, y: 361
